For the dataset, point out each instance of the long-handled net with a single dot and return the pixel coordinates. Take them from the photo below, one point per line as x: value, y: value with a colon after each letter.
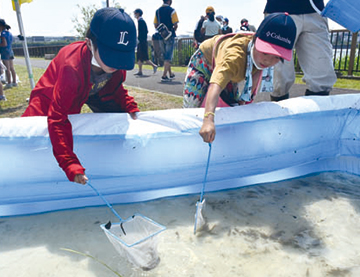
x: 200, y: 205
x: 134, y: 238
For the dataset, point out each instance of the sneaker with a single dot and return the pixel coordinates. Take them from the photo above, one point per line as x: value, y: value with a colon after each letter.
x: 155, y: 69
x: 14, y: 84
x: 165, y: 79
x: 138, y: 74
x: 172, y: 76
x: 7, y: 86
x: 3, y: 98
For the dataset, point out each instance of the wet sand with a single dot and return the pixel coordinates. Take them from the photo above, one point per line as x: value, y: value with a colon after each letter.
x: 303, y: 227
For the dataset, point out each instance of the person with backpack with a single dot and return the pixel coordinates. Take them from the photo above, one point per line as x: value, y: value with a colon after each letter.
x: 222, y: 64
x: 199, y: 36
x: 167, y: 15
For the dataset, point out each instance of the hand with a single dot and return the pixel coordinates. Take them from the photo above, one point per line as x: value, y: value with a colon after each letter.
x: 81, y: 179
x: 207, y: 131
x: 133, y: 115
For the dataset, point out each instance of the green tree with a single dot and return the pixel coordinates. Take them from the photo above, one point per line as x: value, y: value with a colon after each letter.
x: 82, y: 22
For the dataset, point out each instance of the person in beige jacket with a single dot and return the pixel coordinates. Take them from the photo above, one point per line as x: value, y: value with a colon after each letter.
x: 221, y: 63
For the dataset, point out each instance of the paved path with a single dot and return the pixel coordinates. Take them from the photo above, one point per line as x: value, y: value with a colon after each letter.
x: 152, y: 82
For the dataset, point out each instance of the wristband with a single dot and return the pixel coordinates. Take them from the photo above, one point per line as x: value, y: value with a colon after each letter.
x: 209, y: 113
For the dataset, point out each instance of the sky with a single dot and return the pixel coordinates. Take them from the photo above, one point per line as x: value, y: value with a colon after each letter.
x: 54, y: 17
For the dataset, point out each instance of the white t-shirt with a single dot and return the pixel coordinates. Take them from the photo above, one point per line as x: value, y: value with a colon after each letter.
x: 211, y: 27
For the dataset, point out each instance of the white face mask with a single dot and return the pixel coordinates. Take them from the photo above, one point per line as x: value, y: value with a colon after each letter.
x: 93, y: 60
x: 252, y: 57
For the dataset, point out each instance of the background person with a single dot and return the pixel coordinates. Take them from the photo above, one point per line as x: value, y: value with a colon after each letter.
x: 220, y: 19
x: 142, y: 54
x: 91, y: 72
x: 244, y: 25
x: 199, y: 36
x: 2, y: 95
x: 220, y: 64
x: 7, y: 54
x: 313, y: 49
x: 167, y: 15
x: 210, y: 27
x: 226, y: 29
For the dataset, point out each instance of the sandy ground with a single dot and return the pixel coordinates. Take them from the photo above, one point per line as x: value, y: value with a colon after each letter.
x: 302, y: 227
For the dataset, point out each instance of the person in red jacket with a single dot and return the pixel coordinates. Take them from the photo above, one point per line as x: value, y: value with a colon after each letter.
x: 91, y: 72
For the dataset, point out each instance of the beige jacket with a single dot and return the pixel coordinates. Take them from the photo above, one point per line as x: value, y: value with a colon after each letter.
x: 230, y: 58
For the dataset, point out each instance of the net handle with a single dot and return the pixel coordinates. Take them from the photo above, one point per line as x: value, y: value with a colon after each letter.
x: 107, y: 203
x: 206, y: 173
x: 314, y: 7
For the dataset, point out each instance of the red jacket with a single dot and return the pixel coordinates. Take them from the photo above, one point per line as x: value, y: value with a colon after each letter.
x: 62, y: 90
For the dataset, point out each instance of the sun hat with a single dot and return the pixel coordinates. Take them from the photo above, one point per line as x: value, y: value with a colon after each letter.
x: 220, y: 17
x: 3, y: 23
x: 276, y: 35
x: 209, y: 9
x: 115, y: 34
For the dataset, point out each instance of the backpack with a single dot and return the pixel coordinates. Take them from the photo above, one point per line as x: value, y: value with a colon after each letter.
x: 199, y: 37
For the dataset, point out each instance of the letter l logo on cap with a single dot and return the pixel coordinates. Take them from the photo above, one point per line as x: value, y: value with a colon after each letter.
x: 122, y: 38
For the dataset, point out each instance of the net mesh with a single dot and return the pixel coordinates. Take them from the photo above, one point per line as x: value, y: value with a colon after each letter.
x: 135, y: 239
x: 200, y: 220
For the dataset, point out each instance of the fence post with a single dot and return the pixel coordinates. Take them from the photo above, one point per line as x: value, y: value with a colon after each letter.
x: 352, y: 53
x: 180, y: 52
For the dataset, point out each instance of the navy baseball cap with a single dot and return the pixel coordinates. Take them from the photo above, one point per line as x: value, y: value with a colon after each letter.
x: 115, y: 34
x: 3, y: 23
x: 276, y: 35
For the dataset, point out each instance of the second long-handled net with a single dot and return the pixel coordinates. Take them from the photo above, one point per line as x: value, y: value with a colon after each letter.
x: 200, y: 205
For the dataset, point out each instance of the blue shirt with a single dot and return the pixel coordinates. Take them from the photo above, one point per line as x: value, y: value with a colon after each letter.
x: 8, y: 36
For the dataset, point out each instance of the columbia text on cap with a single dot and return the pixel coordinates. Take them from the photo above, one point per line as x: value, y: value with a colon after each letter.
x: 276, y: 35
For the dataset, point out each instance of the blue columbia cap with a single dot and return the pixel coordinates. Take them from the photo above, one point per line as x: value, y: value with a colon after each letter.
x: 115, y: 34
x: 276, y: 35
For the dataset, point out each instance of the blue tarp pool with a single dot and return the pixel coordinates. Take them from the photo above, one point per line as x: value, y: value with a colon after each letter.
x: 161, y: 153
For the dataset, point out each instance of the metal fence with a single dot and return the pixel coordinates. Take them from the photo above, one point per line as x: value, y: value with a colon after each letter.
x: 38, y: 51
x: 346, y: 52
